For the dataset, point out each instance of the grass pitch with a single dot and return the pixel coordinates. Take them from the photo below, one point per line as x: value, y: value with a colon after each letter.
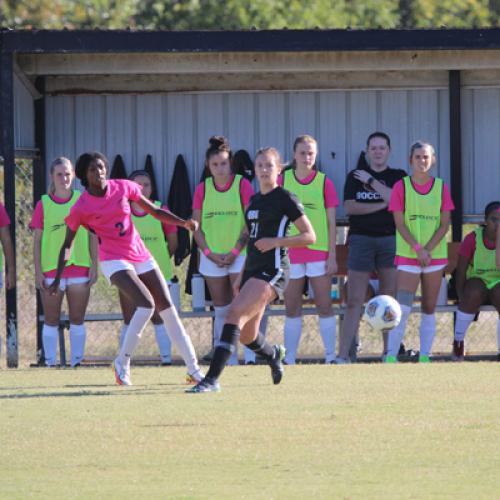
x: 360, y: 431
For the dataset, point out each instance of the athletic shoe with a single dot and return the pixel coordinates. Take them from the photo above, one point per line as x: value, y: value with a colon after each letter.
x: 422, y: 358
x: 204, y: 386
x: 194, y: 378
x: 247, y: 363
x: 458, y: 352
x: 390, y: 359
x: 122, y: 373
x: 276, y: 363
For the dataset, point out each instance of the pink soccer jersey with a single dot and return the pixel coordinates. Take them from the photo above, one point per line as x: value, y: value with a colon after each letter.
x: 4, y: 216
x: 109, y: 218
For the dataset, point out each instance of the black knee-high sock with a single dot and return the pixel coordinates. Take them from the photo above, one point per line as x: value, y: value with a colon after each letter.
x: 227, y: 345
x: 262, y: 347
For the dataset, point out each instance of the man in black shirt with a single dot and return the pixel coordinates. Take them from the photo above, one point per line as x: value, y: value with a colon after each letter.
x: 371, y: 240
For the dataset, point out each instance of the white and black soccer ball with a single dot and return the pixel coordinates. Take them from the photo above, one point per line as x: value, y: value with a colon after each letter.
x: 382, y: 313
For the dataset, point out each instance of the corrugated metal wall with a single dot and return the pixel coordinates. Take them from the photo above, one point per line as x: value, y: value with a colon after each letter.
x: 24, y: 116
x: 167, y: 125
x: 480, y: 147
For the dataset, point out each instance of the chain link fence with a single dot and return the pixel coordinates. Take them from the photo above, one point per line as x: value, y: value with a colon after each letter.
x: 102, y: 339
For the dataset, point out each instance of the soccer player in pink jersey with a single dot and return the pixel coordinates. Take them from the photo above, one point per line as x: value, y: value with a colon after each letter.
x: 104, y: 209
x: 8, y: 251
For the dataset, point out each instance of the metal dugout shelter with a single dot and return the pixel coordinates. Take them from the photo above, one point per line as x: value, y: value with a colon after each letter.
x: 164, y: 93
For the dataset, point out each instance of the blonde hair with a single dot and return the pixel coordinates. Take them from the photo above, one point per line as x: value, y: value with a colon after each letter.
x: 304, y: 138
x: 272, y: 151
x: 60, y: 160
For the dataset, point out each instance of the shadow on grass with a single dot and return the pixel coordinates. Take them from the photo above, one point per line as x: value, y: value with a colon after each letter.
x: 136, y: 391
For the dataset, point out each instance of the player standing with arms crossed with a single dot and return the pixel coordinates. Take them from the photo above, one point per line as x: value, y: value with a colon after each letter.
x: 219, y: 206
x: 421, y: 205
x: 371, y: 240
x: 104, y: 208
x: 317, y: 261
x: 80, y: 272
x: 265, y: 274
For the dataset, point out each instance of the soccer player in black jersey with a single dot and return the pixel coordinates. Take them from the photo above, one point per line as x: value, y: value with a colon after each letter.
x: 265, y: 274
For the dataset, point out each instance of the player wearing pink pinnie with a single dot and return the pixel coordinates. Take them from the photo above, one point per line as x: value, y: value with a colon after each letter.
x: 477, y: 277
x: 219, y: 206
x: 317, y: 262
x: 6, y: 249
x: 161, y: 240
x: 421, y: 205
x: 104, y: 209
x: 80, y: 272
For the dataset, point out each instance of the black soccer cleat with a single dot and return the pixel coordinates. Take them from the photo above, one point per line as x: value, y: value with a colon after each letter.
x: 276, y: 363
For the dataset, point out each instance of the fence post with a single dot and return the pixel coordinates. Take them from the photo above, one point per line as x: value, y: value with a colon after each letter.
x: 7, y: 149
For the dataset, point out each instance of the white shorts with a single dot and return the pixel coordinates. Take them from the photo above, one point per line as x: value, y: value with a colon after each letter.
x: 110, y: 267
x: 212, y: 270
x: 309, y: 269
x: 65, y: 282
x: 408, y: 268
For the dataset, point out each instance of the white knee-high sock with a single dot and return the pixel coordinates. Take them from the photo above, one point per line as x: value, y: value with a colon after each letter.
x: 293, y: 331
x: 328, y: 332
x: 498, y: 334
x: 50, y: 336
x: 462, y: 323
x: 134, y: 331
x: 427, y: 333
x: 164, y: 344
x: 180, y: 338
x: 396, y: 334
x: 123, y: 332
x: 77, y: 335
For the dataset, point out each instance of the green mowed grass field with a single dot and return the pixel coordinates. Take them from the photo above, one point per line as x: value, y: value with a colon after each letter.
x: 359, y: 431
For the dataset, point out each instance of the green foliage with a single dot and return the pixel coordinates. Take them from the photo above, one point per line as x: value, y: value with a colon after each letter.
x: 247, y: 14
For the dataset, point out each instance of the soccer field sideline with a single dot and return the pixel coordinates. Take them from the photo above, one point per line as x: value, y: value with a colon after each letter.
x: 356, y: 431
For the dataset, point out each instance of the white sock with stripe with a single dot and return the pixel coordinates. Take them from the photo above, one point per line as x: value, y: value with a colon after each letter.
x: 180, y: 338
x: 50, y: 336
x: 396, y: 335
x: 427, y: 333
x: 328, y: 332
x: 164, y: 344
x: 77, y: 335
x: 134, y: 331
x: 462, y: 323
x: 293, y: 331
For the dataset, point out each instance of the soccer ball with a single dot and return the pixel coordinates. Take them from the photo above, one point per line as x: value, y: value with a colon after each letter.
x: 382, y: 313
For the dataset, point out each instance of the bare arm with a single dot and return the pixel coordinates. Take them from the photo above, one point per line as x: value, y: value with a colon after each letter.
x: 353, y: 207
x: 331, y: 263
x: 8, y: 250
x: 199, y: 237
x: 93, y: 258
x: 460, y: 273
x: 165, y: 216
x: 172, y: 243
x: 37, y: 258
x: 64, y: 256
x: 384, y: 191
x: 306, y: 236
